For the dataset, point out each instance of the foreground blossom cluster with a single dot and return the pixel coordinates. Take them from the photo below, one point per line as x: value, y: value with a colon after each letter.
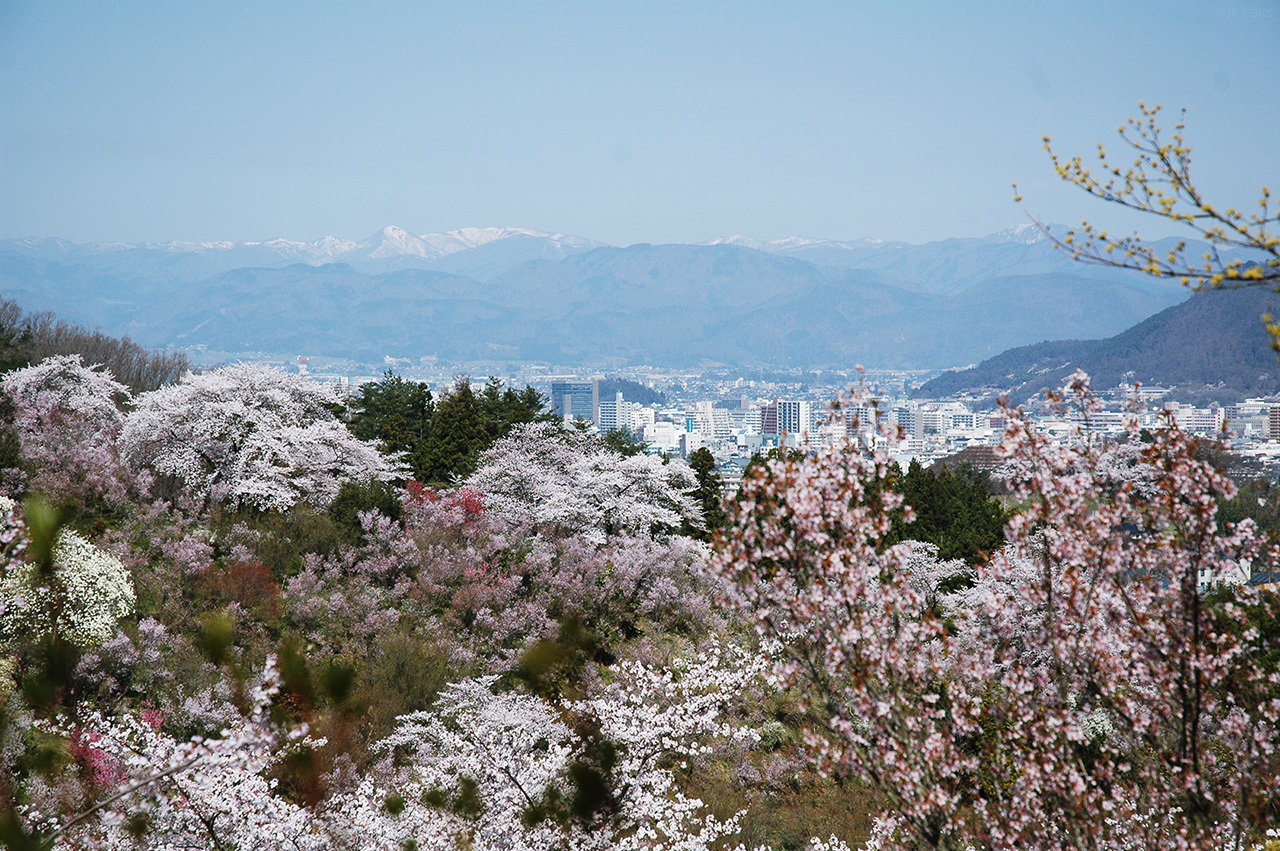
x: 1080, y: 693
x: 462, y: 775
x: 90, y: 593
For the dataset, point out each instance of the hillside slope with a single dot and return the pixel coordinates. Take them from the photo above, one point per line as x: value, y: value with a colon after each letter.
x: 1213, y: 343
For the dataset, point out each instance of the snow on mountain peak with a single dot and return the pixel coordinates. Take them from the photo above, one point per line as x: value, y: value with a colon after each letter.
x: 1026, y: 234
x: 735, y: 239
x: 394, y: 241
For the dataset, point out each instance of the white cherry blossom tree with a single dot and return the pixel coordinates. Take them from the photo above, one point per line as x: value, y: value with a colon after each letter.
x: 555, y: 479
x: 465, y: 774
x: 250, y: 435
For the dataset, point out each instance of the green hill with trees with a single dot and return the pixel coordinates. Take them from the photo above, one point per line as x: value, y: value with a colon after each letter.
x: 1213, y: 345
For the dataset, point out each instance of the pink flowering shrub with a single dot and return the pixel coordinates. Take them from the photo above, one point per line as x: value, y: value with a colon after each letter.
x: 97, y: 766
x: 1082, y: 694
x: 482, y: 585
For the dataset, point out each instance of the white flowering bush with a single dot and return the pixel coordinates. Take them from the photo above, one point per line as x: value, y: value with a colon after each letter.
x: 91, y: 591
x: 202, y: 793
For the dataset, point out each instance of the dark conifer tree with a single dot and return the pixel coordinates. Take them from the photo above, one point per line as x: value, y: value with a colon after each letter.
x: 458, y: 436
x: 707, y: 494
x: 952, y: 510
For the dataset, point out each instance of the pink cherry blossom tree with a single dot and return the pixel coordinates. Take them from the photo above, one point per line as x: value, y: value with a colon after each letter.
x: 68, y: 418
x: 1082, y: 694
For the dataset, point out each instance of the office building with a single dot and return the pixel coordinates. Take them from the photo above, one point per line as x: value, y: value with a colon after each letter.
x: 576, y: 400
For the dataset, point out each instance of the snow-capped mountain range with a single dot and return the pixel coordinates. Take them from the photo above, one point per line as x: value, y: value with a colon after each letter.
x: 391, y: 241
x: 395, y: 242
x: 485, y: 253
x: 523, y: 294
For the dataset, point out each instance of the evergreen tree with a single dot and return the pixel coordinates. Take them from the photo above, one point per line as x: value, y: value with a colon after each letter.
x: 458, y: 435
x: 623, y: 442
x: 952, y: 510
x: 505, y: 409
x: 395, y: 412
x: 707, y: 493
x: 759, y: 459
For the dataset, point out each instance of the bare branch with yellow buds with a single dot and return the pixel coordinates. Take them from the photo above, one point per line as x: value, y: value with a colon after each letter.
x: 1159, y: 183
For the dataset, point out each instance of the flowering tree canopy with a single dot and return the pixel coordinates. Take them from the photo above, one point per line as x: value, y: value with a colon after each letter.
x: 251, y: 435
x: 67, y: 420
x: 568, y: 481
x: 63, y: 389
x: 1082, y: 694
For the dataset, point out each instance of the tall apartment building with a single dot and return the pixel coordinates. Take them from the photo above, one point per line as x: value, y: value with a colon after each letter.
x: 795, y: 417
x: 769, y: 418
x: 709, y: 421
x: 576, y: 400
x: 1200, y: 420
x: 787, y: 416
x: 910, y: 420
x: 1273, y: 423
x: 616, y: 414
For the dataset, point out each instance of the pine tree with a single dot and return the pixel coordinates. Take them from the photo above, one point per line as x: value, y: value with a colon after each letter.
x: 458, y: 436
x: 707, y: 494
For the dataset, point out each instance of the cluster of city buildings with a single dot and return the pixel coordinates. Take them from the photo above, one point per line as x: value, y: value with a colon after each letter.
x: 927, y: 431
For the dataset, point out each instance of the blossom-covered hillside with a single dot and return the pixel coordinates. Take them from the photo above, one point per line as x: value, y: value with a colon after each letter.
x: 231, y: 617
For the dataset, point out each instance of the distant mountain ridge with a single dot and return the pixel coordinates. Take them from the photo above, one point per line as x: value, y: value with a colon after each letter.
x: 387, y: 250
x: 1213, y: 344
x: 523, y: 295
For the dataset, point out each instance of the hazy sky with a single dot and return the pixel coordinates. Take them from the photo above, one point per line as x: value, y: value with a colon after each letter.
x: 624, y: 122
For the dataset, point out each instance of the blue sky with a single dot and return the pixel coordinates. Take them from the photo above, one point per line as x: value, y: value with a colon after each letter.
x: 624, y: 122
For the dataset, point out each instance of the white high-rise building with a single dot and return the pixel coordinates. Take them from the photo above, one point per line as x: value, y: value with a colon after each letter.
x: 616, y: 414
x: 709, y: 421
x: 795, y: 417
x: 1206, y: 421
x: 911, y: 421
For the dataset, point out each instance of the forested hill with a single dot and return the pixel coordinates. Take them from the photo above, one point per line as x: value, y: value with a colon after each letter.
x: 1212, y: 344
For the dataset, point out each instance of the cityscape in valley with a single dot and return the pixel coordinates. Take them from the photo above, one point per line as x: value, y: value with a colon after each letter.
x: 735, y: 417
x: 639, y: 427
